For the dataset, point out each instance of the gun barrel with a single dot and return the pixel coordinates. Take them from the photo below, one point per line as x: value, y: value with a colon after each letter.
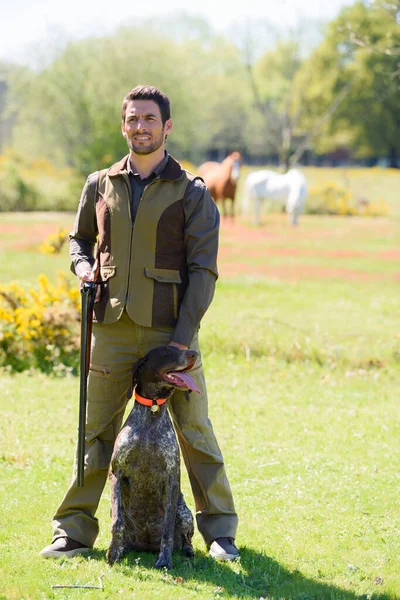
x: 87, y: 295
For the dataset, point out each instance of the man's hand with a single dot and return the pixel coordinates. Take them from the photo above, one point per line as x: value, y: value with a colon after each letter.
x: 179, y: 346
x: 86, y: 276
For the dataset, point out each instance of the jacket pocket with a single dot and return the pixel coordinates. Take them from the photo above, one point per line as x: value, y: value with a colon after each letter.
x: 100, y: 371
x: 107, y: 272
x: 165, y: 277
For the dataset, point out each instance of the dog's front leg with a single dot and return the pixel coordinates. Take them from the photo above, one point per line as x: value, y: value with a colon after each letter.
x: 167, y: 538
x: 185, y: 527
x: 117, y: 548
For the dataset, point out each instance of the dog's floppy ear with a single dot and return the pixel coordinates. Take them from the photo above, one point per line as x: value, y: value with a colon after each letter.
x: 135, y: 376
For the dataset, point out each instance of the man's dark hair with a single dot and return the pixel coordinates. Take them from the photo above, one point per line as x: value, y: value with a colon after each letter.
x: 148, y: 92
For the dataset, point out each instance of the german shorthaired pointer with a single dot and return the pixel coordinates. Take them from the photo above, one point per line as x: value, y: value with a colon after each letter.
x: 148, y: 511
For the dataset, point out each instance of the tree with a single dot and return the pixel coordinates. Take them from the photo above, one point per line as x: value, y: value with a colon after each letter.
x: 273, y: 82
x: 386, y: 44
x: 223, y: 97
x: 280, y: 80
x: 73, y: 106
x: 368, y: 118
x: 260, y: 95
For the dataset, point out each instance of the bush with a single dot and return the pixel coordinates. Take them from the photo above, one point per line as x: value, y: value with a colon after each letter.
x: 333, y: 199
x: 15, y: 192
x: 39, y: 328
x: 37, y: 185
x: 54, y: 243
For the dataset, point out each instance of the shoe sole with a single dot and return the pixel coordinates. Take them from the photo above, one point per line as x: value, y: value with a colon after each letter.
x: 217, y: 556
x: 60, y: 553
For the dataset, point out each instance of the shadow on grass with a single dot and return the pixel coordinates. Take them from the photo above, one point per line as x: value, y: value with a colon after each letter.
x: 258, y: 576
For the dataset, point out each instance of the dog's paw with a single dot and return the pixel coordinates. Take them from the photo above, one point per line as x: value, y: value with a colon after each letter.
x: 163, y: 562
x: 114, y: 554
x: 188, y: 551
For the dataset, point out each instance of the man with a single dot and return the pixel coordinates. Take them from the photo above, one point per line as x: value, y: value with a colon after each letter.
x: 156, y: 228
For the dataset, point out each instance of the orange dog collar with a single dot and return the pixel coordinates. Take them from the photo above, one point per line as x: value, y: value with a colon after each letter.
x: 148, y: 401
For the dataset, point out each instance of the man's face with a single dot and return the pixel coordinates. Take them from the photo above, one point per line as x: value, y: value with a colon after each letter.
x: 143, y: 128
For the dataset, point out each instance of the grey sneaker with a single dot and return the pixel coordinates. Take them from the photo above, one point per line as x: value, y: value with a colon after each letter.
x: 223, y: 548
x: 64, y: 546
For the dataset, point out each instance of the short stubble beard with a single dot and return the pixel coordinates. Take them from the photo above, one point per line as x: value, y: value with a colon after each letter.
x: 141, y: 151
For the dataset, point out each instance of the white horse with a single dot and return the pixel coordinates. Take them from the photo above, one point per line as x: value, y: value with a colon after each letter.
x: 290, y: 188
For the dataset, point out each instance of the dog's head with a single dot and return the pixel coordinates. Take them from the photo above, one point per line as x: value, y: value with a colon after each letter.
x: 163, y: 370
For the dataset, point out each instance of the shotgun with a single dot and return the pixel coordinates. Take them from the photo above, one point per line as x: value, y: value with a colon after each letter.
x: 88, y: 290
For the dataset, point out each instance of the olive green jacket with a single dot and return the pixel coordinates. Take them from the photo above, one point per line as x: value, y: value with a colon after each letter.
x: 163, y: 269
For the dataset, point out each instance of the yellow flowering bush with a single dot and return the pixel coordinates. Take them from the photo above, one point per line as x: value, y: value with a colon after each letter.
x: 54, y: 243
x: 333, y: 199
x: 39, y: 327
x: 379, y: 208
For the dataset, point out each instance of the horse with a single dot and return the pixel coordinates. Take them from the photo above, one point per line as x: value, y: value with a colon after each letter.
x: 290, y: 188
x: 221, y: 179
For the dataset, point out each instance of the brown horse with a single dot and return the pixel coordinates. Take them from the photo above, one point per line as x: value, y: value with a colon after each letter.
x: 221, y: 179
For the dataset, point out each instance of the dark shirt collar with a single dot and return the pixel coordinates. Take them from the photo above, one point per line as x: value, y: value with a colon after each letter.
x: 155, y: 173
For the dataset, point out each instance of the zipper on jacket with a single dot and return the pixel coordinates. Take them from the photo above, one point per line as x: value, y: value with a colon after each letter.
x: 129, y: 191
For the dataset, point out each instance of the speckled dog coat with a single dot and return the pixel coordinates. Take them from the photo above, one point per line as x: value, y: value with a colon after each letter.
x: 148, y: 509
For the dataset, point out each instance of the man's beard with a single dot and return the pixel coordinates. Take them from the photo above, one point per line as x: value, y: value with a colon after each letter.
x: 142, y: 150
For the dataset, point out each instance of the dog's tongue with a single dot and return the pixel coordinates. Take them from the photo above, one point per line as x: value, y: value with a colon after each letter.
x: 187, y: 380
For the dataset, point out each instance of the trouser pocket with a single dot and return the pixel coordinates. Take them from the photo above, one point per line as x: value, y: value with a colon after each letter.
x: 99, y: 371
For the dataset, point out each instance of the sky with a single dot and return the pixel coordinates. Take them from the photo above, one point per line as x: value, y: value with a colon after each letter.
x: 28, y: 25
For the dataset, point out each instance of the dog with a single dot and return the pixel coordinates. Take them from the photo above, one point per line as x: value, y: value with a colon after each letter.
x: 148, y: 511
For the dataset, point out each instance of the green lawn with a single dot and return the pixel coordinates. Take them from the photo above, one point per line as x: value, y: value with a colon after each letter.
x: 302, y: 370
x: 312, y: 456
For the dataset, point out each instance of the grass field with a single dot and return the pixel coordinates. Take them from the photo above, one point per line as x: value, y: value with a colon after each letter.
x: 301, y: 352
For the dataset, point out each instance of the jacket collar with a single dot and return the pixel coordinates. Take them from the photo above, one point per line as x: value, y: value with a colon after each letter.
x: 171, y: 172
x: 157, y: 171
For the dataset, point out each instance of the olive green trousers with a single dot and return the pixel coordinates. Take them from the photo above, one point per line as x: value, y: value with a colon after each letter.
x: 115, y: 347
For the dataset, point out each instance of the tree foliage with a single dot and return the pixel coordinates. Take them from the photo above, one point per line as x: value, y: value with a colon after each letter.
x: 277, y: 96
x: 368, y: 118
x: 281, y: 102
